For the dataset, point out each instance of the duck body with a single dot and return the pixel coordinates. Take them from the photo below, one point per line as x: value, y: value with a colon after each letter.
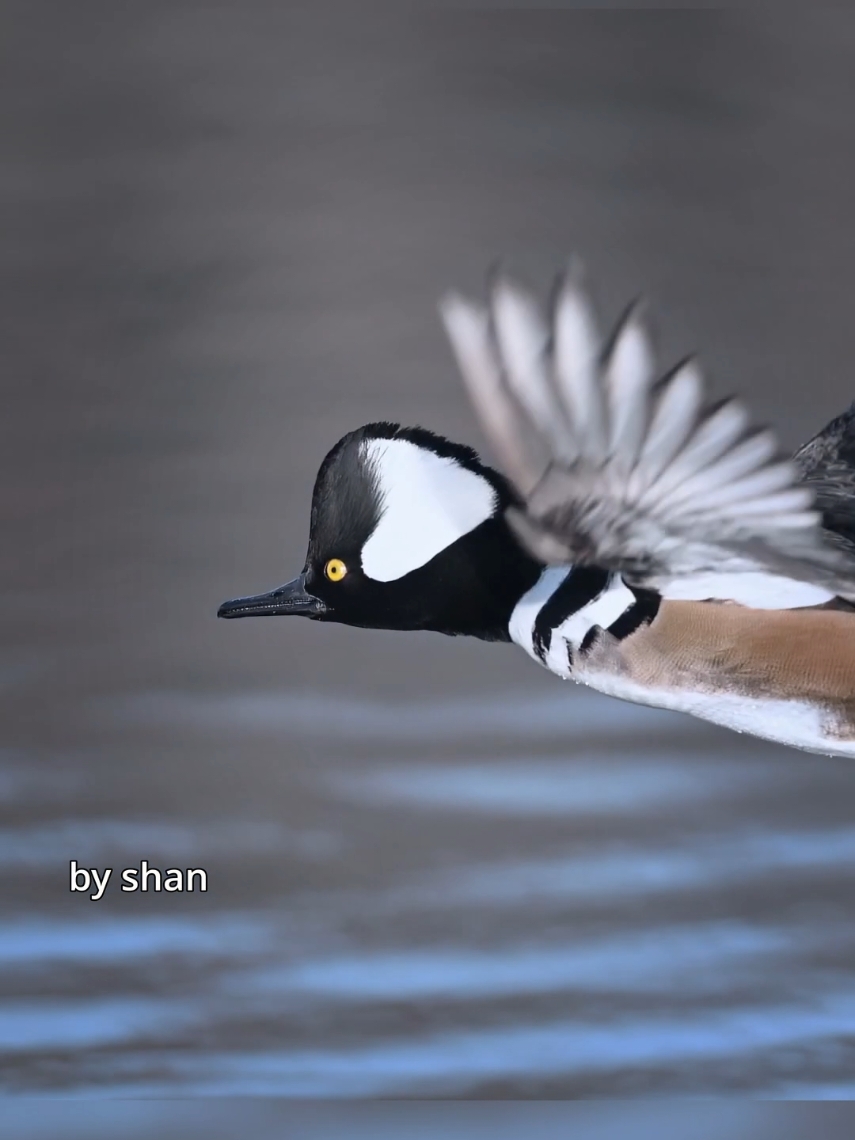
x: 644, y: 542
x: 782, y: 675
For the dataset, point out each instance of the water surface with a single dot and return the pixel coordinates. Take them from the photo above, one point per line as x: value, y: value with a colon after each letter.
x: 433, y: 869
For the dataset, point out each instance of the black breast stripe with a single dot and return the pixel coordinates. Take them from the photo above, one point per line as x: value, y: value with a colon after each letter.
x: 581, y: 586
x: 642, y: 612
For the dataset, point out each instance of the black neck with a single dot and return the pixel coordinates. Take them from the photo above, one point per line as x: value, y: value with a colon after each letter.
x: 475, y: 584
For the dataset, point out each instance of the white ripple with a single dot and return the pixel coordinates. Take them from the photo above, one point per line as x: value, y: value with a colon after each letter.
x: 450, y: 1063
x: 28, y: 941
x: 633, y: 871
x: 701, y: 957
x: 531, y: 785
x: 28, y: 1025
x: 92, y: 841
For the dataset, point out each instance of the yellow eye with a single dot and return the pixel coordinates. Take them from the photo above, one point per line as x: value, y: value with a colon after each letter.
x: 335, y: 570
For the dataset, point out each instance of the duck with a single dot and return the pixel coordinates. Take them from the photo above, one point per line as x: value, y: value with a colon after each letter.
x: 636, y: 536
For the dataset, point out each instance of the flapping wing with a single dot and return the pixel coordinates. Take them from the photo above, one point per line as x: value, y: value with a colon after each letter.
x: 826, y: 464
x: 621, y: 469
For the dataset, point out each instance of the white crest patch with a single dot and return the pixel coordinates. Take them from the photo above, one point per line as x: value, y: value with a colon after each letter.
x: 427, y: 502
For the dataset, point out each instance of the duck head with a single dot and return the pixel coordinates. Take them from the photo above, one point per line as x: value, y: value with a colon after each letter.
x: 407, y: 531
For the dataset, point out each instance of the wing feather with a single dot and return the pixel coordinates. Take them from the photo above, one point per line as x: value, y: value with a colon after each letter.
x: 629, y: 372
x: 676, y: 406
x: 468, y: 328
x: 576, y: 365
x: 621, y: 470
x: 522, y: 340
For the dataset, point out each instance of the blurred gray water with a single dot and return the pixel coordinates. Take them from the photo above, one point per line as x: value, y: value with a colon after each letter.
x: 432, y: 868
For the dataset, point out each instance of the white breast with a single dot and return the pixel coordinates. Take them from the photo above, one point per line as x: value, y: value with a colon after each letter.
x: 521, y: 625
x: 602, y: 610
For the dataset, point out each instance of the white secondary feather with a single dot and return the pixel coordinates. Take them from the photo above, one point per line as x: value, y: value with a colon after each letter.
x: 576, y: 361
x: 468, y: 329
x: 427, y: 502
x: 675, y: 413
x: 710, y: 438
x: 752, y: 588
x: 741, y: 460
x: 523, y: 339
x: 629, y: 375
x: 643, y: 478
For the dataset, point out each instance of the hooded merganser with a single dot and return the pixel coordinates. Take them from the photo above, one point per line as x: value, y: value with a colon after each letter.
x: 646, y: 542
